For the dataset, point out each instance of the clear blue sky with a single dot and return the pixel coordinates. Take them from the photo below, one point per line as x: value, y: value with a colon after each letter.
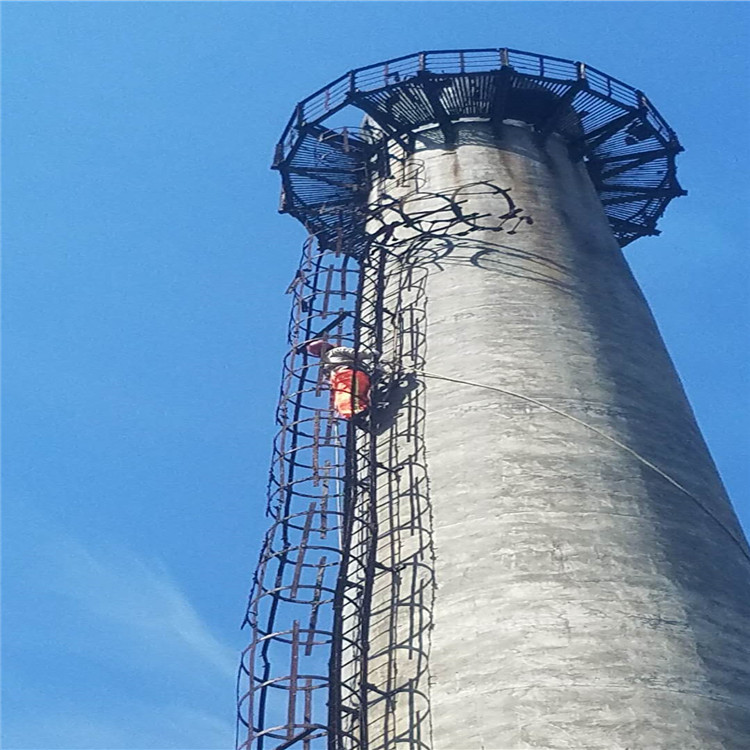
x: 145, y: 316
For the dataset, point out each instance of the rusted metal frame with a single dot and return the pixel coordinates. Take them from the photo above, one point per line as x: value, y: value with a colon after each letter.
x: 498, y: 107
x: 322, y: 90
x: 425, y: 54
x: 335, y: 707
x: 275, y: 601
x: 596, y: 109
x: 290, y: 425
x: 342, y: 142
x: 375, y: 66
x: 298, y: 400
x: 316, y: 445
x: 298, y: 118
x: 250, y: 693
x: 389, y: 125
x: 495, y: 50
x: 371, y: 470
x: 672, y: 140
x: 279, y: 555
x: 521, y: 76
x: 301, y: 736
x: 258, y: 574
x: 590, y: 141
x: 612, y: 80
x: 307, y: 214
x: 281, y: 561
x: 301, y: 549
x: 364, y: 507
x: 624, y: 164
x: 307, y: 711
x: 305, y: 130
x: 320, y: 382
x: 300, y: 423
x: 311, y: 175
x: 651, y: 209
x: 293, y: 675
x: 281, y: 448
x: 339, y: 244
x: 356, y: 511
x: 392, y: 480
x: 315, y: 606
x: 629, y: 161
x: 300, y: 107
x: 624, y: 225
x: 335, y: 662
x: 671, y: 176
x: 301, y: 134
x: 287, y: 193
x: 639, y: 194
x: 657, y: 214
x: 311, y: 171
x: 643, y: 109
x: 326, y: 296
x: 429, y: 86
x: 338, y: 319
x: 563, y: 104
x: 344, y: 272
x: 314, y: 219
x: 279, y: 155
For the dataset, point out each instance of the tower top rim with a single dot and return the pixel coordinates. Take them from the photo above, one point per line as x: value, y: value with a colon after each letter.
x: 628, y: 147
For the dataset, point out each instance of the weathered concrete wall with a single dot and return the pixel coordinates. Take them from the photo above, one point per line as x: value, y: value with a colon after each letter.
x: 582, y: 600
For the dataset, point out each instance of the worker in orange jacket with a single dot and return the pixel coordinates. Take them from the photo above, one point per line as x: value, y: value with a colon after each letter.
x: 347, y: 372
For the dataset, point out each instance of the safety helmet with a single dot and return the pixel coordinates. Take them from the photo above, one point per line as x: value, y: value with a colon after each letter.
x: 318, y: 347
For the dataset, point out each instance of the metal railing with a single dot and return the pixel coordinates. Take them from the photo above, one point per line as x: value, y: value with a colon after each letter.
x: 320, y: 105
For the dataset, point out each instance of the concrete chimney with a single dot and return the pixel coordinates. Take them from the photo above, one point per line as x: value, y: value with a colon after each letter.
x: 536, y: 548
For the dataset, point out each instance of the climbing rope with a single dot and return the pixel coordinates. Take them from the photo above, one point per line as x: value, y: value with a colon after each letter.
x: 602, y: 434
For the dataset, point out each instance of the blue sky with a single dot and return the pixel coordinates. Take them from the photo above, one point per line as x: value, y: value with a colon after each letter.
x: 144, y: 313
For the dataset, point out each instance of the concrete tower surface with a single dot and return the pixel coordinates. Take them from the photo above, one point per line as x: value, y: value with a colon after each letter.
x: 535, y: 548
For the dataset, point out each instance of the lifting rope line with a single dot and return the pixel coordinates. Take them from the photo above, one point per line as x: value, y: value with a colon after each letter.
x: 599, y: 432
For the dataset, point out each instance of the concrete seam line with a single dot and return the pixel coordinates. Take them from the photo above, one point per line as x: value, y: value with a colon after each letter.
x: 599, y: 432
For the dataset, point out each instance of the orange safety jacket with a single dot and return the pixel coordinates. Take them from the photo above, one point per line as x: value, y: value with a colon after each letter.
x: 351, y: 391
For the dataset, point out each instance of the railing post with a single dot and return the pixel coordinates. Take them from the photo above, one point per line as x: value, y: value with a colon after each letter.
x: 504, y: 57
x: 422, y: 61
x: 352, y: 82
x: 278, y: 155
x: 580, y: 71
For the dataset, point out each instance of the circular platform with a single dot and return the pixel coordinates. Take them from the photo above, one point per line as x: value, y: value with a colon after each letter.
x: 626, y: 145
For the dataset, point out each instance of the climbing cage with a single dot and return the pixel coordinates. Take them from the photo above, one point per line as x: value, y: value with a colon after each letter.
x: 283, y: 680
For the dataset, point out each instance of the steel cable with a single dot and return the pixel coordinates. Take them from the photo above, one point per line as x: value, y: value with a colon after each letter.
x: 602, y: 434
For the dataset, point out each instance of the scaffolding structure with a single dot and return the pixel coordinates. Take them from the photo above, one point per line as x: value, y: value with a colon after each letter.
x: 303, y: 681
